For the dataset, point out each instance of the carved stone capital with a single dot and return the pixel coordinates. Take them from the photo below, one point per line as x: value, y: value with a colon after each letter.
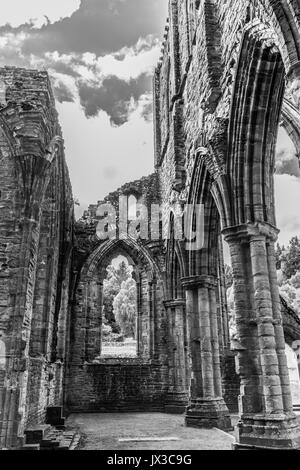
x: 174, y: 303
x: 196, y: 282
x: 250, y: 231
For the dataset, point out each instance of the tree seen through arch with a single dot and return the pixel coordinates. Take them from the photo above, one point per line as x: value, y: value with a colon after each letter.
x: 119, y: 314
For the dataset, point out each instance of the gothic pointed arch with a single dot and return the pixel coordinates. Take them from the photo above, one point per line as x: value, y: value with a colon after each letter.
x: 88, y: 295
x: 138, y: 253
x: 290, y: 120
x: 175, y: 259
x: 255, y: 114
x: 256, y: 107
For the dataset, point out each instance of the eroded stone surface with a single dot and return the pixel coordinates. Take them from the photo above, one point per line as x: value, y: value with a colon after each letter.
x: 229, y: 72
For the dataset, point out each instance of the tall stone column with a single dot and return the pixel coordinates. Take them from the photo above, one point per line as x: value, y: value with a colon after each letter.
x: 152, y: 346
x: 150, y: 320
x: 99, y: 304
x: 206, y: 404
x: 139, y: 320
x: 230, y: 379
x: 266, y: 416
x: 278, y: 329
x: 177, y: 396
x: 13, y: 408
x: 94, y: 320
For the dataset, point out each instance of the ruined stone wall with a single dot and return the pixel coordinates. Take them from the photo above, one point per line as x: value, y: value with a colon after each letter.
x: 117, y: 386
x: 100, y: 384
x: 48, y: 341
x: 218, y: 93
x: 35, y: 232
x: 194, y: 80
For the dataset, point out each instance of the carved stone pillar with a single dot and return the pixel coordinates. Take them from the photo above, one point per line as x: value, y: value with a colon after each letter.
x: 94, y: 320
x: 206, y: 404
x: 177, y: 396
x: 99, y: 304
x: 152, y: 347
x: 230, y: 380
x: 13, y: 409
x: 266, y: 416
x: 139, y: 323
x: 150, y: 320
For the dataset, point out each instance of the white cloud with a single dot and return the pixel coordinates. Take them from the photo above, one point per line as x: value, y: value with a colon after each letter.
x: 100, y: 157
x: 17, y: 12
x: 132, y: 66
x: 67, y: 81
x: 12, y: 41
x: 56, y: 57
x: 69, y: 72
x: 135, y: 61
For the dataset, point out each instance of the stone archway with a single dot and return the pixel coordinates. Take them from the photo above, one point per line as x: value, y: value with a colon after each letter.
x: 226, y: 114
x: 115, y: 383
x: 256, y: 109
x: 229, y: 71
x: 178, y: 358
x: 206, y: 323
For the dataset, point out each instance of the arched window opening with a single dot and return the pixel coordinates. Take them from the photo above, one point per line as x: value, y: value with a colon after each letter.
x: 177, y: 288
x: 119, y: 311
x: 228, y: 286
x: 175, y: 274
x: 293, y: 368
x: 2, y: 355
x: 132, y: 207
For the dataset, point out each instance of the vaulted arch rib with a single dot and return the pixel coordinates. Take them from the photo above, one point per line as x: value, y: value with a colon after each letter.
x: 290, y: 119
x: 138, y: 253
x: 255, y: 114
x: 287, y: 13
x: 204, y: 259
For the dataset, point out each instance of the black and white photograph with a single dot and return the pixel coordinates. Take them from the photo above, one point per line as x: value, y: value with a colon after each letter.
x: 149, y: 228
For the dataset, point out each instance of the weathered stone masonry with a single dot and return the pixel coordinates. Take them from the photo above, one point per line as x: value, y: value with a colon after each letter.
x: 116, y: 384
x: 223, y: 83
x: 228, y: 75
x: 35, y: 244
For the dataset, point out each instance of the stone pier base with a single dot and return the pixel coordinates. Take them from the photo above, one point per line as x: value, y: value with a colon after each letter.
x: 268, y: 432
x: 208, y: 414
x: 176, y: 403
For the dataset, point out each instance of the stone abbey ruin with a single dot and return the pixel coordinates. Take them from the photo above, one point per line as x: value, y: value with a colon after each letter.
x: 228, y: 75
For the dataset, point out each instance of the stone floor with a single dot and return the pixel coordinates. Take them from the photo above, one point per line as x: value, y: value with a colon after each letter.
x: 143, y: 431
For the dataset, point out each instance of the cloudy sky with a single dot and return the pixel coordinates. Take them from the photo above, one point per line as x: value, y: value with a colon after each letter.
x: 100, y: 55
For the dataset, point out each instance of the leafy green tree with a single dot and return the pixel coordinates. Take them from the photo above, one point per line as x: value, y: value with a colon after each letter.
x: 109, y: 335
x: 288, y: 272
x: 111, y: 287
x: 291, y: 258
x: 116, y: 275
x: 125, y: 308
x: 295, y: 280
